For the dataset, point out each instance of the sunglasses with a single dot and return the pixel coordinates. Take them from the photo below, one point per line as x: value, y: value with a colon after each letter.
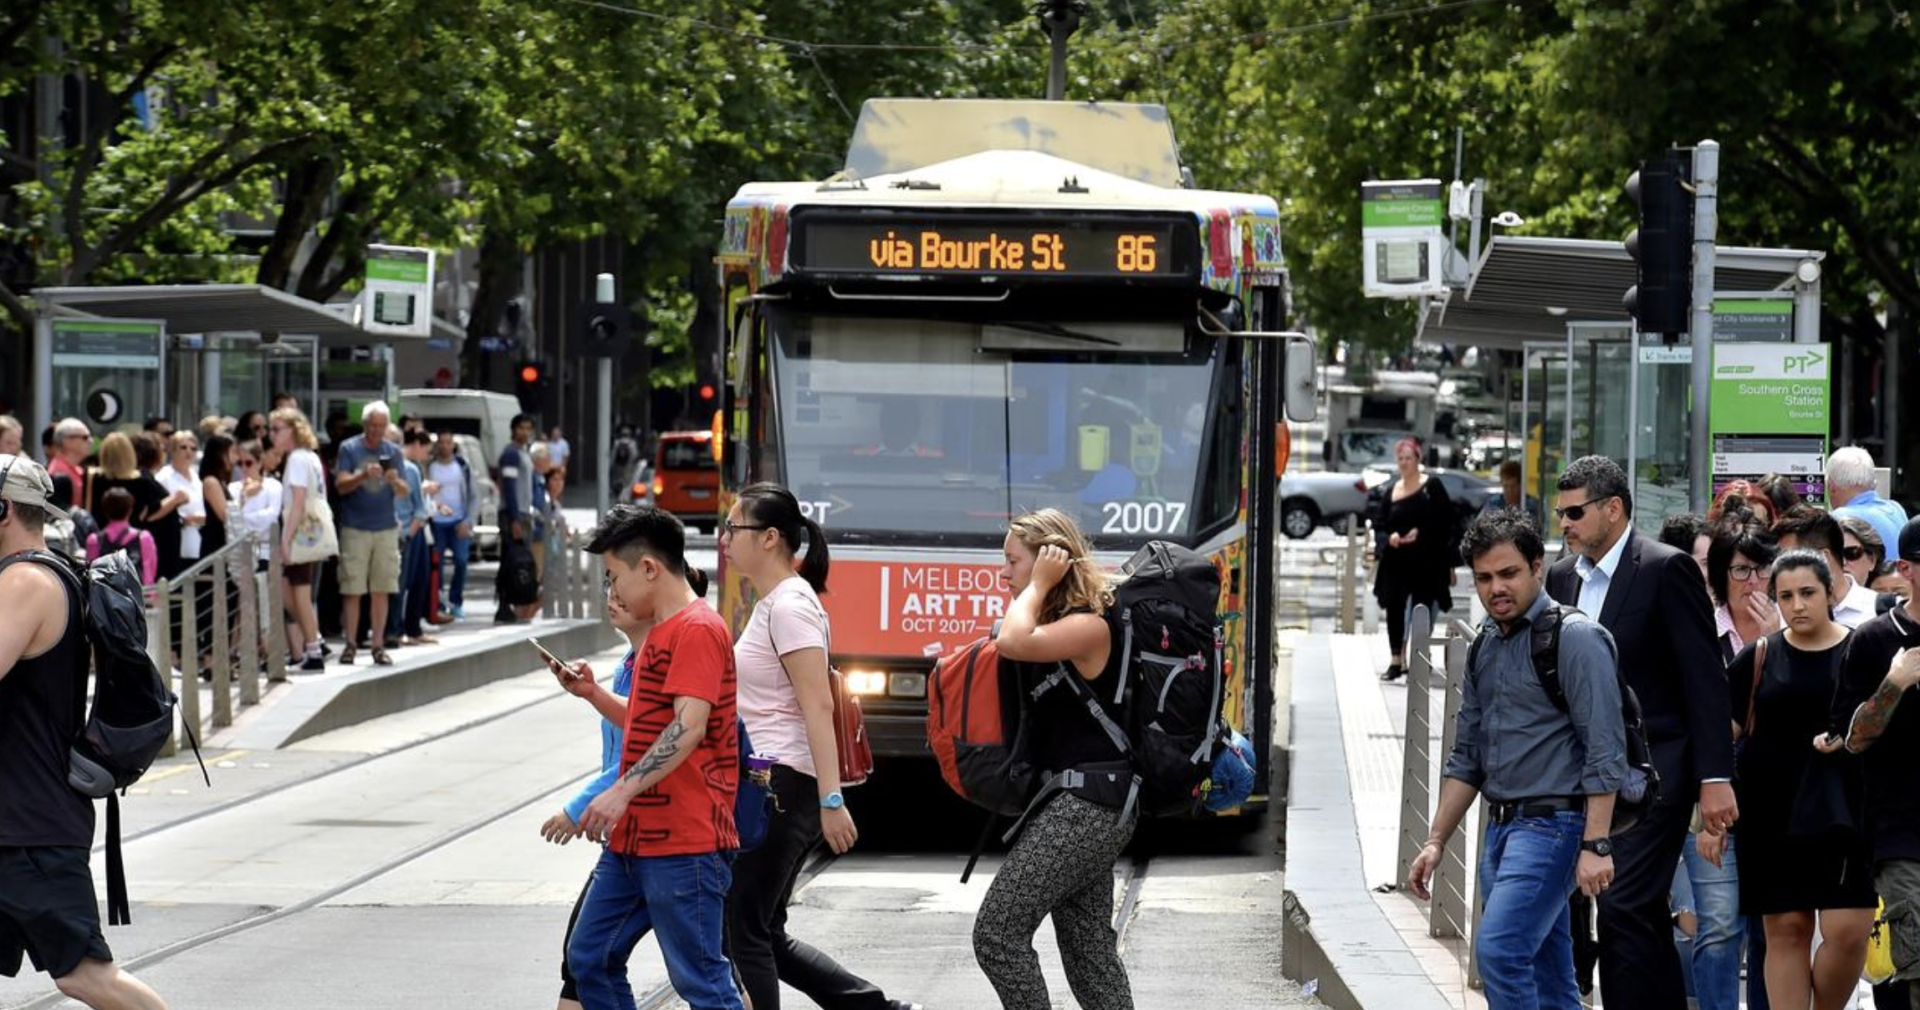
x: 1579, y: 512
x: 1854, y: 553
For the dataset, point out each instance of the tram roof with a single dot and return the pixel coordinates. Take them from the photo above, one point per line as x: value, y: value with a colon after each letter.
x: 1131, y: 140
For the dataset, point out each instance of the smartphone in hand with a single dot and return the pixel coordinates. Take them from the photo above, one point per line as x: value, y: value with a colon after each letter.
x: 551, y: 658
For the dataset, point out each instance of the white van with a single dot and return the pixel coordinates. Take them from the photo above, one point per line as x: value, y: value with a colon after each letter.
x: 485, y: 415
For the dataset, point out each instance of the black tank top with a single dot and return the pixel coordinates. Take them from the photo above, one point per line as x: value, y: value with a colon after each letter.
x: 41, y: 701
x: 1065, y: 734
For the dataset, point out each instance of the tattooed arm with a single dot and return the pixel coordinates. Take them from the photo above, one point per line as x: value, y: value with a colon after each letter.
x: 674, y: 744
x: 1871, y: 718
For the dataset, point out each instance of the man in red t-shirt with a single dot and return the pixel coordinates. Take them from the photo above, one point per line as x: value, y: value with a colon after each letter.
x: 669, y: 817
x: 72, y: 440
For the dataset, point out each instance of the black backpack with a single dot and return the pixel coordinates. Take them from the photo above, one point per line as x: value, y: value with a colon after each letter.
x: 519, y: 578
x: 132, y: 547
x: 133, y: 706
x: 1172, y: 684
x: 1641, y: 790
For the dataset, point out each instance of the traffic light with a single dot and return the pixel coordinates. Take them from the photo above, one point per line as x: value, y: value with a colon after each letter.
x: 606, y: 328
x: 530, y: 381
x: 1662, y: 247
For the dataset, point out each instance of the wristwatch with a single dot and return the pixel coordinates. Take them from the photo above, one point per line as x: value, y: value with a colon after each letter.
x: 833, y: 801
x: 1602, y: 847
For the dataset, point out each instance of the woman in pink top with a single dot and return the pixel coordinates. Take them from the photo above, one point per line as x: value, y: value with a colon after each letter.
x: 116, y: 508
x: 787, y: 702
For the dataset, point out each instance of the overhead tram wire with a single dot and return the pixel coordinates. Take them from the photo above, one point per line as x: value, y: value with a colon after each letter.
x: 1266, y: 36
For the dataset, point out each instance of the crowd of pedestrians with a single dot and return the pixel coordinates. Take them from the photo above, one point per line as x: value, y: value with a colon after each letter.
x: 1763, y: 644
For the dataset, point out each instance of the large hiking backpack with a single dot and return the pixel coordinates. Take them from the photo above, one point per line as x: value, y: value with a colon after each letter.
x: 1641, y: 790
x: 976, y: 727
x: 133, y: 707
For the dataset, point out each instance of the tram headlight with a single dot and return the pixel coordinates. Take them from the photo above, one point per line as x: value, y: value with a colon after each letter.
x: 866, y: 682
x: 907, y: 685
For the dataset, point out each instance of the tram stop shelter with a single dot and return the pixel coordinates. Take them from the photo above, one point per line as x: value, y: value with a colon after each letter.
x: 1589, y: 382
x: 114, y: 356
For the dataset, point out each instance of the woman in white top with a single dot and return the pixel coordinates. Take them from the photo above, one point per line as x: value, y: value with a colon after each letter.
x: 179, y: 476
x: 787, y: 702
x: 257, y: 495
x: 304, y: 481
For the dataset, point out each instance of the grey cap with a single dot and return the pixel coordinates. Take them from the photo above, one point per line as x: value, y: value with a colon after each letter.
x: 27, y: 483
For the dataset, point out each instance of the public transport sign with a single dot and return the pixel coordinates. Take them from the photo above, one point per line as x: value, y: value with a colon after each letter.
x: 994, y: 246
x: 997, y: 322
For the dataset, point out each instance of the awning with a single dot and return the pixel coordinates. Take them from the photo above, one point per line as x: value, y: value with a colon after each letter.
x: 219, y: 308
x: 1530, y: 288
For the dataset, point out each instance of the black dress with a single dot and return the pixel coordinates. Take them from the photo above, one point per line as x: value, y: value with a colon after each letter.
x: 148, y: 494
x: 1417, y: 573
x: 1781, y: 871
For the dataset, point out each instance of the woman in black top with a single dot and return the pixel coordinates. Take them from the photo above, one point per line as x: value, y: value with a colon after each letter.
x: 1415, y: 549
x: 1793, y: 872
x: 129, y: 462
x: 1062, y: 863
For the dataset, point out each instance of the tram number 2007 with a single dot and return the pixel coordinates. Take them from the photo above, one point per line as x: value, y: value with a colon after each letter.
x: 1142, y: 517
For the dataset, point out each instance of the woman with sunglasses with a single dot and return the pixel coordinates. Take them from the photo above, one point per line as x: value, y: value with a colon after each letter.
x: 787, y: 701
x: 1864, y: 552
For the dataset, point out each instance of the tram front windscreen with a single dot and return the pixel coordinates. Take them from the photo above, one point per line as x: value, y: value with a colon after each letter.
x: 912, y: 430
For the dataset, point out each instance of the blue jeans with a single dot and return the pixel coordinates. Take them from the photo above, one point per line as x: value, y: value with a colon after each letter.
x: 457, y: 548
x: 1715, y: 894
x: 682, y: 899
x: 409, y: 607
x: 1525, y: 941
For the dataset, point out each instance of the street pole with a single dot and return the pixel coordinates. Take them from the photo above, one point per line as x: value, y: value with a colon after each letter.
x: 1059, y: 19
x: 603, y: 426
x: 1706, y: 198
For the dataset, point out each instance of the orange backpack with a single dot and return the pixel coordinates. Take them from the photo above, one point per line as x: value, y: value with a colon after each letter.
x: 976, y: 726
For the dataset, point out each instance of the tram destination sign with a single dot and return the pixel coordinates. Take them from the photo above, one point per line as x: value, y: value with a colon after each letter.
x: 999, y: 246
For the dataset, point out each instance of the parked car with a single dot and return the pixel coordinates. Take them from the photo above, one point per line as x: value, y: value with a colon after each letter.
x: 1311, y: 500
x: 686, y: 478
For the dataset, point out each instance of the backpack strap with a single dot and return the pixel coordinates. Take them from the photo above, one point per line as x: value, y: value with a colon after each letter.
x: 1546, y: 653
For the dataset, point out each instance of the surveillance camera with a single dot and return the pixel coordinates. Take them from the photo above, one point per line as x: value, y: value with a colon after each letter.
x: 1508, y: 219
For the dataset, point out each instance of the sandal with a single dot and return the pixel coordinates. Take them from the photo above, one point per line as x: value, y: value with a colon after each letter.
x: 380, y: 657
x: 346, y: 654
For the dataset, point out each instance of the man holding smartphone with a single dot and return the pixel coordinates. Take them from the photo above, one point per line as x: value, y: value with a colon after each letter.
x: 369, y: 477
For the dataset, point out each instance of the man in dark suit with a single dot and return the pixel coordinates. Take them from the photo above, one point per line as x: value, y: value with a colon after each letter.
x: 1652, y: 599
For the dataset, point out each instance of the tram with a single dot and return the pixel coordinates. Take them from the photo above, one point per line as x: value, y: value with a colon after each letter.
x: 999, y: 306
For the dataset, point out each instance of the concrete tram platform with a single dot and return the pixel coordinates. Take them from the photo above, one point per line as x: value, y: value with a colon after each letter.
x: 1358, y: 946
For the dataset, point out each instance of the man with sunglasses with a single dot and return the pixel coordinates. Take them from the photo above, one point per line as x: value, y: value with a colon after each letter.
x: 1652, y: 599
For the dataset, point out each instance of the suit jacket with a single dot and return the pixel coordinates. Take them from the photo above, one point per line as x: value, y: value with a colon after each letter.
x: 1662, y: 622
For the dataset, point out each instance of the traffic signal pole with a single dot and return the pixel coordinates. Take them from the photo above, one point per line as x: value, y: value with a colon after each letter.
x: 1706, y: 202
x: 603, y: 408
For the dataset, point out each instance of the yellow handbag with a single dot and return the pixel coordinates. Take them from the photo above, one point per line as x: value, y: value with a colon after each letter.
x: 1879, y: 948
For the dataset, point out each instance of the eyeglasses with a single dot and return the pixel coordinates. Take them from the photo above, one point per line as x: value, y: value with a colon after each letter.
x: 1854, y: 553
x: 606, y: 581
x: 1579, y: 512
x: 1746, y: 573
x: 728, y: 529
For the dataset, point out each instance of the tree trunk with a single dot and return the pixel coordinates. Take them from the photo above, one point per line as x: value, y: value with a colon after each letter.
x: 308, y: 184
x: 499, y: 282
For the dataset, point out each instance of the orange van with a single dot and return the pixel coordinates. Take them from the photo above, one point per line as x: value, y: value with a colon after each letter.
x: 686, y: 478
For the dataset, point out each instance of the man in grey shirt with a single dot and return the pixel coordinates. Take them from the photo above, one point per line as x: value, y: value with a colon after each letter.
x: 1549, y: 775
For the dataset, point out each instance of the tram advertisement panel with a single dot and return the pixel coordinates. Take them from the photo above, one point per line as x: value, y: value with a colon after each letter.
x: 912, y: 608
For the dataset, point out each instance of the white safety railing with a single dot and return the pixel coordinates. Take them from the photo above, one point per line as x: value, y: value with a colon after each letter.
x: 571, y: 584
x: 238, y: 603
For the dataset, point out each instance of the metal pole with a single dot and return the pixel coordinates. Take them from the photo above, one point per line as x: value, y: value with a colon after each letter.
x: 1706, y: 203
x: 603, y: 421
x: 1059, y: 19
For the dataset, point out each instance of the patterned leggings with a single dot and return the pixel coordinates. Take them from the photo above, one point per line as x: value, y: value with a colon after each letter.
x: 1061, y: 865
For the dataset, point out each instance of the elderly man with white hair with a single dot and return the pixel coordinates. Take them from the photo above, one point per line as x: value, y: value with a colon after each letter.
x: 369, y: 475
x: 1851, y: 492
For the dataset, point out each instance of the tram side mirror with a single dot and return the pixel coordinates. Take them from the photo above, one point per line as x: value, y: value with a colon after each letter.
x: 1302, y: 401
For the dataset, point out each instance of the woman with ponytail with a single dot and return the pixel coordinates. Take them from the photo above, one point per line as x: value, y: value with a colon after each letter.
x: 787, y: 702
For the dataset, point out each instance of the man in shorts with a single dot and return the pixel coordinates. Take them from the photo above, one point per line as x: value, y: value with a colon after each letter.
x: 48, y: 912
x: 369, y: 475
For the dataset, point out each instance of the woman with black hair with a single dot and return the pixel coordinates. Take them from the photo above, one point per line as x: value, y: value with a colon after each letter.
x: 787, y: 701
x: 1416, y: 554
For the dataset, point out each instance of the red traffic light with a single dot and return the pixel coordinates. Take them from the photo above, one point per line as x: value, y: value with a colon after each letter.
x: 706, y: 391
x: 529, y: 373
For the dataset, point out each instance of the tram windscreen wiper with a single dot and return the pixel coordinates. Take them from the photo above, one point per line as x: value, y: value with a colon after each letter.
x: 1056, y: 330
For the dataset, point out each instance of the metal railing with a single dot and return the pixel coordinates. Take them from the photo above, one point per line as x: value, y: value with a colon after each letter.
x: 1433, y: 684
x: 242, y: 604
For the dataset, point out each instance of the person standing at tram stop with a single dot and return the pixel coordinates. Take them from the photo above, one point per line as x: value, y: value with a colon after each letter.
x: 1801, y: 855
x: 1851, y: 491
x: 303, y: 481
x: 1651, y: 599
x: 370, y: 476
x: 787, y: 702
x: 1549, y: 775
x: 1412, y: 534
x: 1062, y: 862
x: 48, y: 909
x: 667, y: 821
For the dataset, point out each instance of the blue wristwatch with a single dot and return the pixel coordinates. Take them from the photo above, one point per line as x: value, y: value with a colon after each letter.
x: 833, y: 801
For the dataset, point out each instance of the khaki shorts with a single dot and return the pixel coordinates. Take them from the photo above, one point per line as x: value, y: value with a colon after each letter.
x: 369, y: 560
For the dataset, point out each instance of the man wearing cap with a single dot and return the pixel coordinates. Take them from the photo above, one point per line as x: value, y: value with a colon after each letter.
x: 1874, y: 714
x: 48, y: 910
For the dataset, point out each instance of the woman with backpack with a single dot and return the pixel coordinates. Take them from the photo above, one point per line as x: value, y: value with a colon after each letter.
x: 116, y: 507
x: 1062, y: 863
x: 786, y: 698
x: 1413, y: 537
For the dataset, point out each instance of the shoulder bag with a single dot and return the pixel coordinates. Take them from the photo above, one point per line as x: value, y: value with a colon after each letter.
x: 316, y: 539
x: 850, y: 744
